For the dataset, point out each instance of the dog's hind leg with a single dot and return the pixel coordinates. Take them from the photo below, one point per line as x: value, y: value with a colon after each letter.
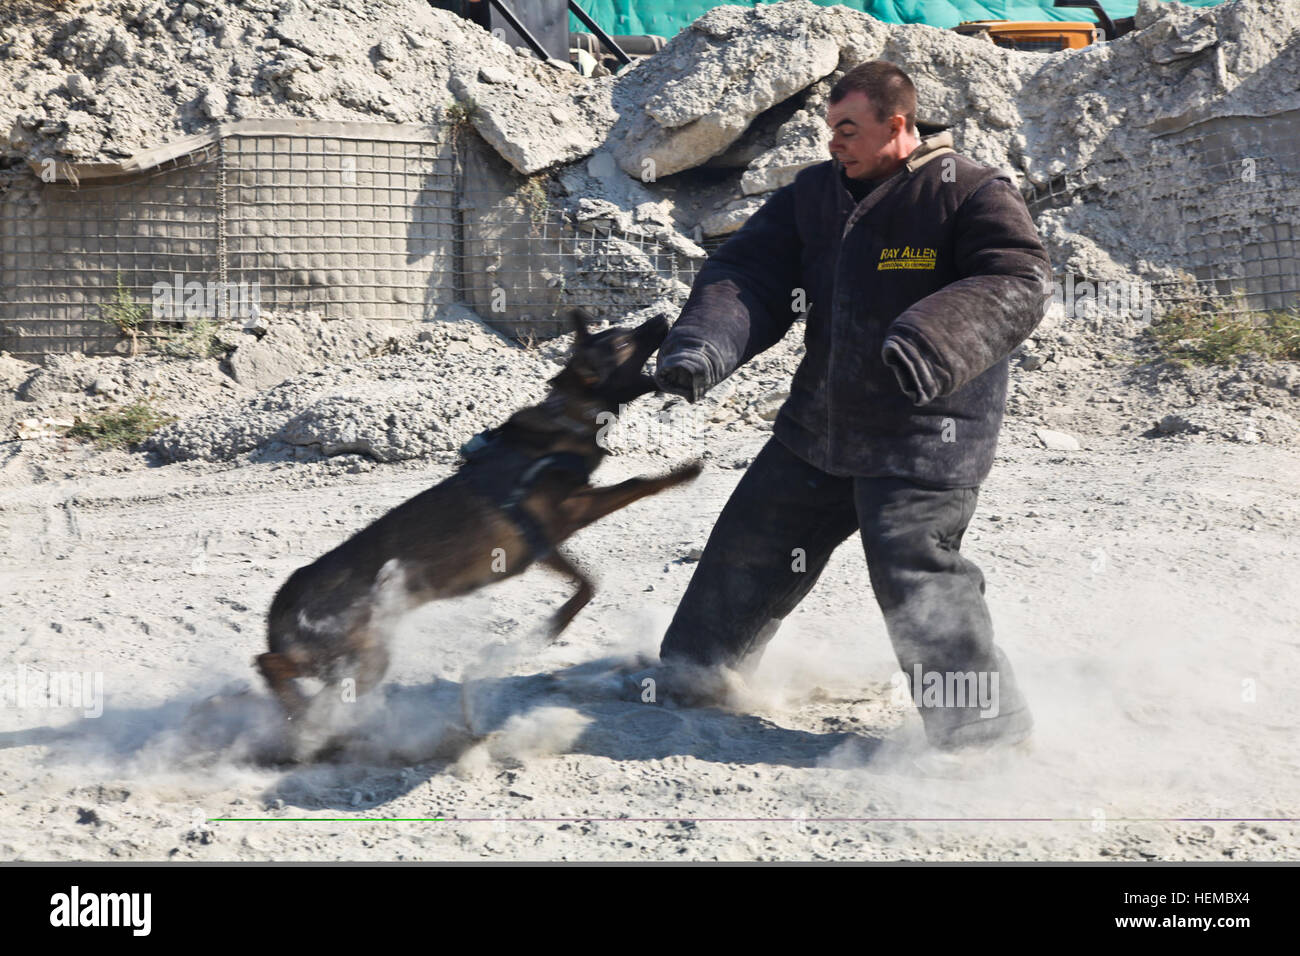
x: 368, y: 642
x: 560, y: 620
x: 280, y: 671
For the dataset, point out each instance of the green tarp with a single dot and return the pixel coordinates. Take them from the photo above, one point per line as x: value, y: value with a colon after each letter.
x: 667, y: 17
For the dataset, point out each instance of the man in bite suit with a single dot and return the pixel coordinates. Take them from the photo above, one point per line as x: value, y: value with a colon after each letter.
x: 918, y: 271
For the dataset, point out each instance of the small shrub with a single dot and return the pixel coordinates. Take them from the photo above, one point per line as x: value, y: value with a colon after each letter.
x: 197, y: 340
x: 532, y: 194
x: 459, y: 117
x: 126, y: 315
x: 123, y: 427
x: 1188, y: 334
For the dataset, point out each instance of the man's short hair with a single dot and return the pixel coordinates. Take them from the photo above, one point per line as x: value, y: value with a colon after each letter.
x: 886, y: 86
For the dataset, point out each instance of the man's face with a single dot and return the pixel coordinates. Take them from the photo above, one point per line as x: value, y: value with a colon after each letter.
x: 865, y: 147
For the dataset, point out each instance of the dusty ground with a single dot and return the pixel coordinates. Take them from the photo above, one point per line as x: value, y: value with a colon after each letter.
x: 1143, y: 586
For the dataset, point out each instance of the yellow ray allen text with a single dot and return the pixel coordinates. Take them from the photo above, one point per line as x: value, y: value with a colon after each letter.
x: 907, y: 257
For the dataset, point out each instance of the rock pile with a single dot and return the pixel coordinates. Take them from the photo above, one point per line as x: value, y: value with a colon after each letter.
x: 680, y: 148
x: 99, y: 82
x: 742, y: 91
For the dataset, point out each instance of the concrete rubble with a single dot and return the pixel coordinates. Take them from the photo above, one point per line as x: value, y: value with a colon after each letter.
x: 386, y: 405
x: 273, y: 349
x: 101, y: 83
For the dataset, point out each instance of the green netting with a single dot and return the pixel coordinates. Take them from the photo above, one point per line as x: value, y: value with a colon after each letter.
x: 666, y: 17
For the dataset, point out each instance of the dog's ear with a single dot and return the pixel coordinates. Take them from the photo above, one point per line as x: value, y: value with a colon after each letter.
x: 654, y: 330
x: 580, y: 319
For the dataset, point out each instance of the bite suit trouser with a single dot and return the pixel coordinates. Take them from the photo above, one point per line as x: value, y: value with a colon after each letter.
x: 774, y: 538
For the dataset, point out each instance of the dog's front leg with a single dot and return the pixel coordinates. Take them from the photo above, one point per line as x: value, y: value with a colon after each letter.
x: 591, y: 504
x: 560, y: 620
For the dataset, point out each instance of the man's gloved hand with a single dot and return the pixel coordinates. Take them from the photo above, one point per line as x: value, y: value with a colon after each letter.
x: 917, y: 376
x: 686, y: 374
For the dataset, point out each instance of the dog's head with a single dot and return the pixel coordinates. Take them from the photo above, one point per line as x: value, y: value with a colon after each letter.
x: 608, y: 365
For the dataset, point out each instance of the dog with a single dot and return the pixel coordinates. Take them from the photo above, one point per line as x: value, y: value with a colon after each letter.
x: 521, y: 491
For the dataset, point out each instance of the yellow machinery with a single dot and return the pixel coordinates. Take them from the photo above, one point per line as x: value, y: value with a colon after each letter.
x: 1046, y: 37
x: 1049, y: 37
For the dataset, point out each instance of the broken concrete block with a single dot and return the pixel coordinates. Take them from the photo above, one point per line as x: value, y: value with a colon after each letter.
x: 491, y: 73
x: 506, y: 117
x: 701, y: 92
x: 1057, y: 441
x: 731, y: 217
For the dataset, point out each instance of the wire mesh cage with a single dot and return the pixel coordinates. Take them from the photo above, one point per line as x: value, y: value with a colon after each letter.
x: 349, y: 224
x: 1219, y: 205
x: 70, y: 253
x: 351, y: 220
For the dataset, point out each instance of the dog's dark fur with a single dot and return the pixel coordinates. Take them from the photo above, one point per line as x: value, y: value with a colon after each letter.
x: 509, y: 505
